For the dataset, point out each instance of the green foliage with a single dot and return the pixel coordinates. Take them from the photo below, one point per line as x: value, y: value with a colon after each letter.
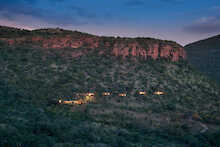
x: 32, y: 80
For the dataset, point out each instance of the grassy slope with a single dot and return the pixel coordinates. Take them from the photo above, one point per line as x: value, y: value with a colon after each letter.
x: 31, y: 78
x: 205, y: 54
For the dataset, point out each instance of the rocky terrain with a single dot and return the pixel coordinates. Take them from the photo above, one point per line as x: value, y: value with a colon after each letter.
x: 124, y: 47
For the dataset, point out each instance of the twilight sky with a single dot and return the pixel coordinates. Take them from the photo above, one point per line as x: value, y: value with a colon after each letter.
x: 183, y: 21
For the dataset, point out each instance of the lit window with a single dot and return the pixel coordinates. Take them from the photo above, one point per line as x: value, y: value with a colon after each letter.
x: 122, y: 94
x: 159, y: 93
x: 106, y: 93
x: 142, y: 92
x: 90, y: 94
x: 67, y: 102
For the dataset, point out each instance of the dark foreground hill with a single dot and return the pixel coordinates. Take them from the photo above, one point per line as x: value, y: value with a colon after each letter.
x: 205, y: 55
x: 32, y: 80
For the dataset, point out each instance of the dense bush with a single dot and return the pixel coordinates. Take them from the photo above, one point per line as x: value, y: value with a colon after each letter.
x: 30, y: 86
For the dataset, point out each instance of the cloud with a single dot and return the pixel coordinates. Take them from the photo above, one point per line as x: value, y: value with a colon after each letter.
x: 57, y: 0
x: 134, y: 3
x: 13, y: 10
x: 172, y: 1
x: 30, y: 1
x: 83, y: 12
x: 204, y: 25
x: 215, y: 8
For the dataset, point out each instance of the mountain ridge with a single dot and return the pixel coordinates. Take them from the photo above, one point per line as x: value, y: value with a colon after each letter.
x: 59, y: 39
x: 212, y: 42
x: 205, y: 56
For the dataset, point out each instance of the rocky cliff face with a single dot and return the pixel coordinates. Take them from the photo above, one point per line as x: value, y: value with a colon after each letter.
x: 125, y: 47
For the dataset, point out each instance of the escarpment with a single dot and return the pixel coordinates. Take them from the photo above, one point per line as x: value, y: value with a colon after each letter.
x: 84, y: 43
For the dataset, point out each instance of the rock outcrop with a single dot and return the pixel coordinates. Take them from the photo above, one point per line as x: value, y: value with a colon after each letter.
x: 125, y: 47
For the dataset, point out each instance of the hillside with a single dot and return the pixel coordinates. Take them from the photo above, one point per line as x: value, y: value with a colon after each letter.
x: 205, y: 56
x: 33, y: 79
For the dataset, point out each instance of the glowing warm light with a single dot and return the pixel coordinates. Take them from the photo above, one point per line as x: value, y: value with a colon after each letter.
x: 84, y: 98
x: 79, y: 102
x: 142, y: 93
x: 122, y: 94
x: 68, y: 102
x: 106, y: 93
x: 90, y: 94
x: 159, y: 93
x: 89, y: 98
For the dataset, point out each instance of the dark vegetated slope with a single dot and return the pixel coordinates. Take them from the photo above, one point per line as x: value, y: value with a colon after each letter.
x: 30, y: 79
x: 205, y: 55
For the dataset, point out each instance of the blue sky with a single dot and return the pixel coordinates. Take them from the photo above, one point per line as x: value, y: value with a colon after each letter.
x: 183, y: 21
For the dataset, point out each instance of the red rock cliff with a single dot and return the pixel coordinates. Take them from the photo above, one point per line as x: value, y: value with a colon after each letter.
x: 125, y: 47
